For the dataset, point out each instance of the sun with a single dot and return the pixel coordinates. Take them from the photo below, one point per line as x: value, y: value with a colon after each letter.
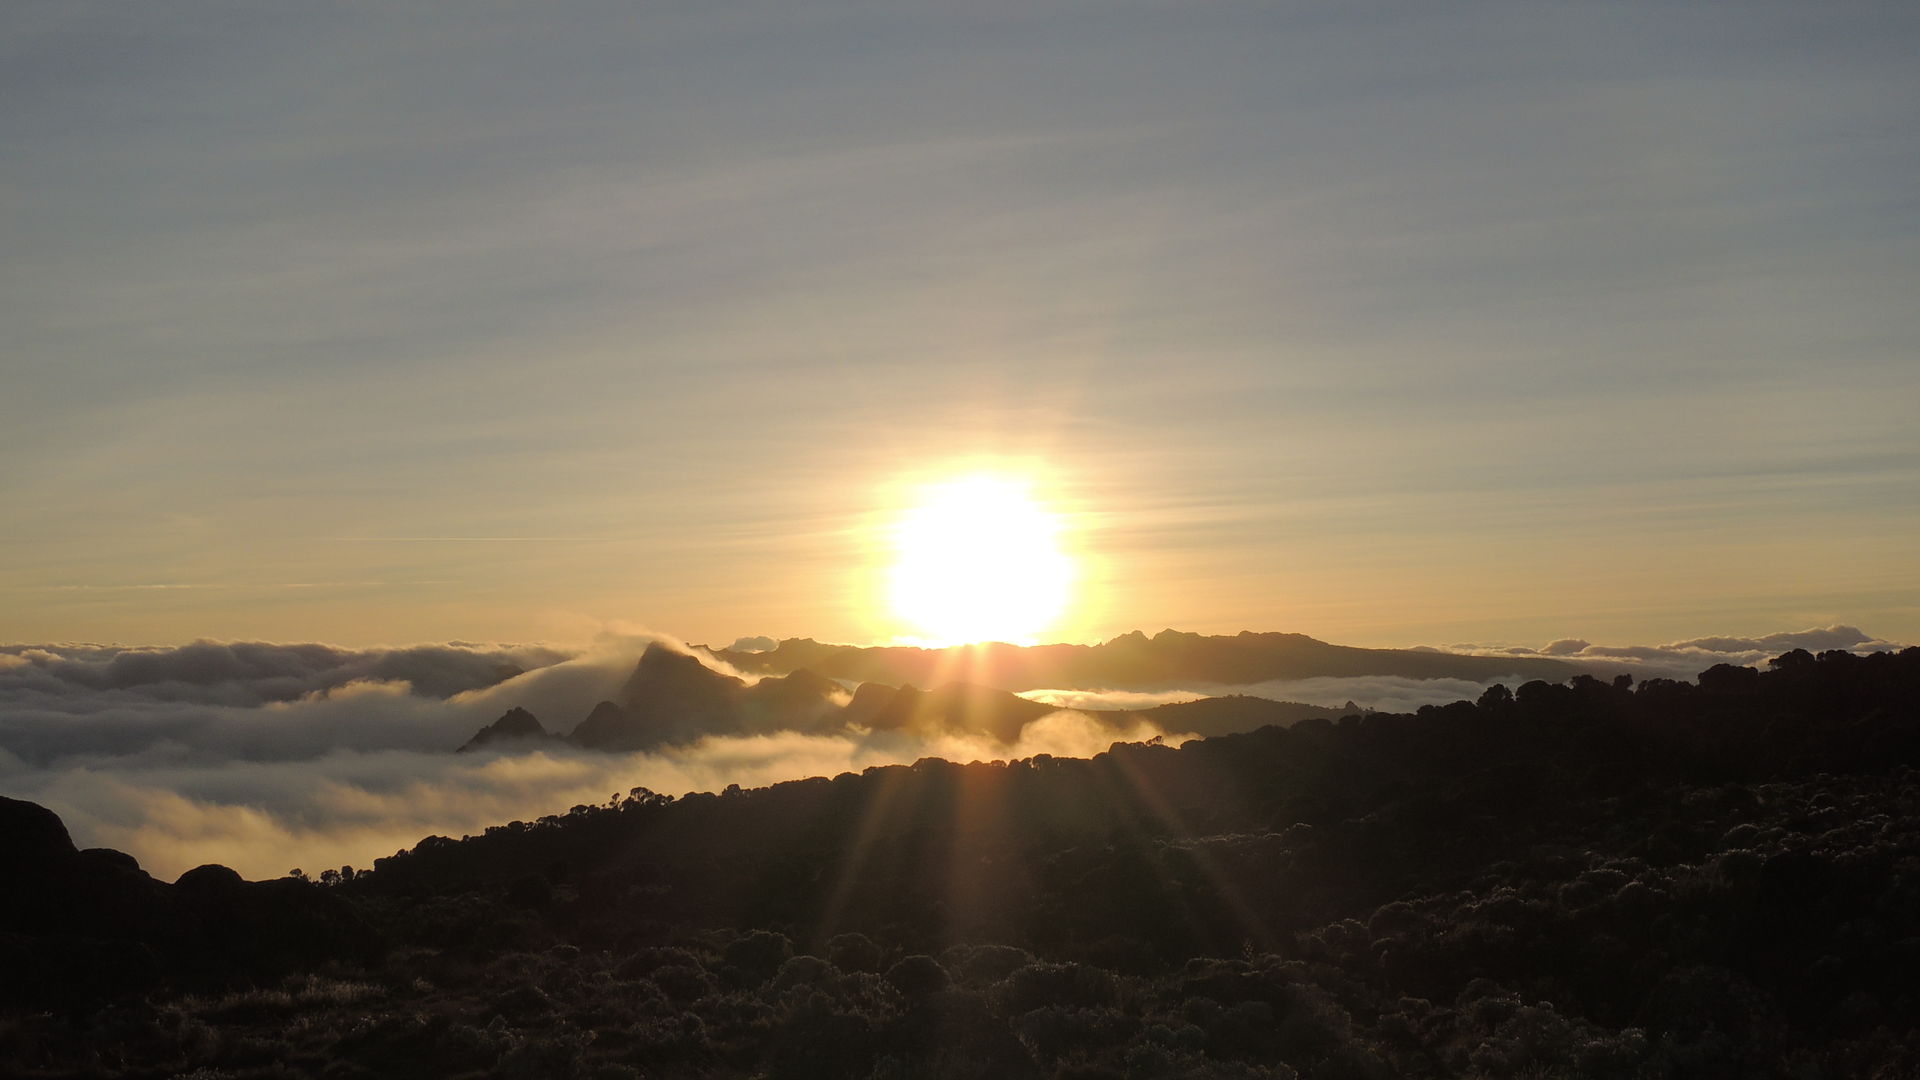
x: 979, y: 558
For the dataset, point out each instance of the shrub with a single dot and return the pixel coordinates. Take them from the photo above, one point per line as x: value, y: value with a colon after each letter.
x: 1041, y: 984
x: 1055, y: 1032
x: 918, y: 976
x: 803, y: 971
x: 522, y: 1003
x: 645, y: 962
x: 854, y: 952
x: 819, y: 1041
x: 982, y: 965
x: 758, y: 954
x: 532, y: 892
x: 683, y: 983
x: 556, y: 1056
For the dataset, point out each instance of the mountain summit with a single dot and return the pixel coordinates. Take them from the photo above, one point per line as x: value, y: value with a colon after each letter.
x: 515, y: 724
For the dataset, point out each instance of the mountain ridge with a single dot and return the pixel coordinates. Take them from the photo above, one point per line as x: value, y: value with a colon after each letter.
x: 1135, y: 660
x: 672, y: 698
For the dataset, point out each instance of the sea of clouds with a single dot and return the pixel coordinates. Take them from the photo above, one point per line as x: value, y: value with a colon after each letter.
x: 1685, y: 659
x: 265, y: 757
x: 1384, y: 693
x: 269, y: 756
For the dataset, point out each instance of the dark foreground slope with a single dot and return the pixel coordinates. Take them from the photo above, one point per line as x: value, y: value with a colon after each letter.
x: 1719, y: 879
x: 81, y: 926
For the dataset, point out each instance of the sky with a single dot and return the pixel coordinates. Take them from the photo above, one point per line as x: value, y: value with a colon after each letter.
x: 1391, y: 323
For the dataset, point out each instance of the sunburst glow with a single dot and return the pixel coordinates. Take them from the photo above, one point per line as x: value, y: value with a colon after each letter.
x: 979, y: 558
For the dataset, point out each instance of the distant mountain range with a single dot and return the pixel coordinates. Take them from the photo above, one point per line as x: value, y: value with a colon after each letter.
x: 1168, y: 659
x: 673, y: 698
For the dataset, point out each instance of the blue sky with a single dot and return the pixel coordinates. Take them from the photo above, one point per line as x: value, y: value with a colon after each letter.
x: 1390, y: 323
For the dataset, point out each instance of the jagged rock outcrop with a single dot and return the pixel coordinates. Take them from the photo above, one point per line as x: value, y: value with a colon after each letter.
x: 673, y: 698
x: 604, y: 722
x: 607, y: 727
x: 670, y: 698
x: 31, y: 833
x: 210, y: 879
x: 92, y: 925
x: 516, y: 724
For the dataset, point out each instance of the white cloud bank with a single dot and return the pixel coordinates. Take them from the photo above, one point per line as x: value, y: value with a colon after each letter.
x: 1379, y: 693
x: 264, y: 757
x: 1685, y: 659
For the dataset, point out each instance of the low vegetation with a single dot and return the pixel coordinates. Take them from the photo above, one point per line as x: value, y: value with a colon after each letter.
x: 1709, y: 879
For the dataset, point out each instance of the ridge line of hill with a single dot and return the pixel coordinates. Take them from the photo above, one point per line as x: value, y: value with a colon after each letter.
x: 1133, y: 660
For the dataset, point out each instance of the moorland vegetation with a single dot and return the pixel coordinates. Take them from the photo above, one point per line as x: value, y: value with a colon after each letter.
x: 1713, y: 878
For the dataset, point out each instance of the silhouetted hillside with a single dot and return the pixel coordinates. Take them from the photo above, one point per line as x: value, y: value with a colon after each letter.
x: 1169, y: 658
x: 1238, y: 713
x: 1595, y: 879
x: 78, y: 926
x: 953, y: 707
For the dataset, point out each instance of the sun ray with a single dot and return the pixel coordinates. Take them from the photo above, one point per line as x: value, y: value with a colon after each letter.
x: 1147, y: 795
x: 886, y: 785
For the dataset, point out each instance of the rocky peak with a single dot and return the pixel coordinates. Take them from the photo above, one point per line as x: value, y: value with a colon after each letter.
x: 601, y: 726
x: 669, y: 673
x: 30, y: 832
x: 515, y: 723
